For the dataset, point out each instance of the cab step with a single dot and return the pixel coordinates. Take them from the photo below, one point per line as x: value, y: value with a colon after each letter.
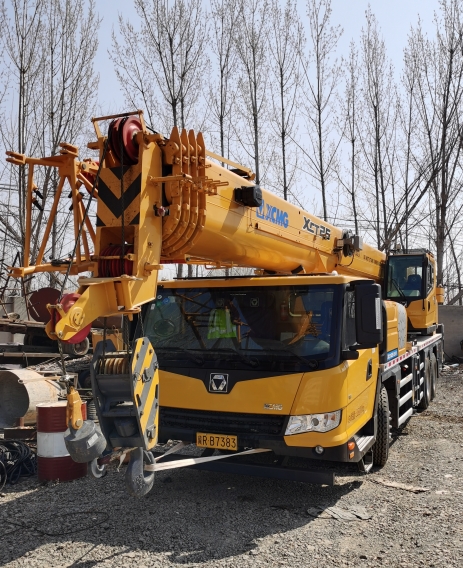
x: 365, y: 465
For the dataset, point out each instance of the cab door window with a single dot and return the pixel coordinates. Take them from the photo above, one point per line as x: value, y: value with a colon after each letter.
x: 430, y: 279
x: 349, y: 336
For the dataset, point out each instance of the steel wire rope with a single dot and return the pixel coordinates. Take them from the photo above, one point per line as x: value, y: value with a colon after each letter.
x: 76, y: 243
x: 125, y: 322
x: 17, y: 460
x: 347, y: 265
x: 123, y: 121
x: 103, y: 514
x: 4, y: 475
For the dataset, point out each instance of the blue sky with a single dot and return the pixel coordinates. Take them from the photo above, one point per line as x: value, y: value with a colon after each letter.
x: 394, y: 16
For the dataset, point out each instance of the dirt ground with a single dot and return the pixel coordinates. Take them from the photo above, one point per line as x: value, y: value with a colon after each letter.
x: 206, y: 519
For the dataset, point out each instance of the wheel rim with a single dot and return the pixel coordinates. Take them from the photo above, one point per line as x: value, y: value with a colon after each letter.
x: 428, y: 381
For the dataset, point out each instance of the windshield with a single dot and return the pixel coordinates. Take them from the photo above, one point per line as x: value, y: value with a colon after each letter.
x: 295, y: 324
x: 405, y: 277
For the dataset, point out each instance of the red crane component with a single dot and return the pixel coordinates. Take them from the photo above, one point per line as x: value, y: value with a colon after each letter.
x: 123, y: 130
x: 38, y: 301
x: 114, y: 267
x: 67, y: 301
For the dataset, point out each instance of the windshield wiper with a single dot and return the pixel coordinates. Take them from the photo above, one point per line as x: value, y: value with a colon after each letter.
x: 398, y: 288
x: 188, y: 352
x: 250, y: 362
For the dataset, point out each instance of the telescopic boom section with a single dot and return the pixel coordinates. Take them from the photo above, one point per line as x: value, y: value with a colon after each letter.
x: 162, y: 200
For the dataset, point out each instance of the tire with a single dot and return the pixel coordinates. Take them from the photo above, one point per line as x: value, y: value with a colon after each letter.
x: 85, y: 381
x: 381, y: 446
x: 77, y: 349
x: 427, y: 386
x: 434, y: 375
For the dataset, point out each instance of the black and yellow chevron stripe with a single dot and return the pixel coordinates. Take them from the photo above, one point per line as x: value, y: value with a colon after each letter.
x: 109, y: 211
x: 145, y: 390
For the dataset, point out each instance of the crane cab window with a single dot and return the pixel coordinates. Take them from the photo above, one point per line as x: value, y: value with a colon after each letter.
x: 245, y: 324
x: 406, y: 278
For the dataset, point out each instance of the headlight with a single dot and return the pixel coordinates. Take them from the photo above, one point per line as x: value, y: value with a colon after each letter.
x: 313, y: 423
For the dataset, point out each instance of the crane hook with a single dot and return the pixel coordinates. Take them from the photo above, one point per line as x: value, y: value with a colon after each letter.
x: 138, y: 482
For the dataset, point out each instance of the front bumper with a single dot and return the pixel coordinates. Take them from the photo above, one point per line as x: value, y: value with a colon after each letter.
x: 253, y: 431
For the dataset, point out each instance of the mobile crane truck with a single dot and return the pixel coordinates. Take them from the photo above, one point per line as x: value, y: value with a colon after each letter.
x: 329, y: 345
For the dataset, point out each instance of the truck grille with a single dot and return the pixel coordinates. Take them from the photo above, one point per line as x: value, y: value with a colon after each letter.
x: 221, y: 422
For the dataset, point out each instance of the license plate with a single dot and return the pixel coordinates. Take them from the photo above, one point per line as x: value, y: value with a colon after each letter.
x: 216, y: 441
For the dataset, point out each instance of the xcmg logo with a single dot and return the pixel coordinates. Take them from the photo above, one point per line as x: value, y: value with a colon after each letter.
x: 273, y: 214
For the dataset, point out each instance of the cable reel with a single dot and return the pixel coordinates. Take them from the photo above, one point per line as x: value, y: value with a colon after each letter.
x: 121, y: 133
x: 114, y: 364
x: 109, y: 267
x: 125, y: 387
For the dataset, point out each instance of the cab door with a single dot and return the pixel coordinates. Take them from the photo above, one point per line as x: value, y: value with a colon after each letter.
x: 362, y: 372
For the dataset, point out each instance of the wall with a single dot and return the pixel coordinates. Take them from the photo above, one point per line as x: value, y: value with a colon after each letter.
x: 13, y: 304
x: 452, y: 318
x: 6, y: 337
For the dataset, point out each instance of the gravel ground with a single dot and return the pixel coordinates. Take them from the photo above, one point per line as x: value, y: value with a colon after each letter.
x: 208, y: 519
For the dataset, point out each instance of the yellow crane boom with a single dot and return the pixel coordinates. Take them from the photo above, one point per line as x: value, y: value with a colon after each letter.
x: 168, y: 203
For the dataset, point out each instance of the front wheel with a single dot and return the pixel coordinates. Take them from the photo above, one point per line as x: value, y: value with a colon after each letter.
x: 381, y: 446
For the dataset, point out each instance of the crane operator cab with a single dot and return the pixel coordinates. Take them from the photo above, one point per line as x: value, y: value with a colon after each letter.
x: 411, y: 280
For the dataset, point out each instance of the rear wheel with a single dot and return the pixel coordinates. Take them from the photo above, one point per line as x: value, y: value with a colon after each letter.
x: 383, y: 434
x: 426, y: 399
x: 434, y: 374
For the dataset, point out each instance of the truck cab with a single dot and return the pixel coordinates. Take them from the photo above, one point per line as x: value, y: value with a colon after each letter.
x: 410, y: 280
x: 269, y: 362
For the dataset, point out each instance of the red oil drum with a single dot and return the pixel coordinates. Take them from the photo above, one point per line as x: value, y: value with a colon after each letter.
x: 53, y: 459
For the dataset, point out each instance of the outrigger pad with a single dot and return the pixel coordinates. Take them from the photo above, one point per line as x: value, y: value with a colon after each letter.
x: 84, y: 444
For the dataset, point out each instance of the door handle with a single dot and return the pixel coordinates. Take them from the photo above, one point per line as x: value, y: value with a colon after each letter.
x: 369, y: 369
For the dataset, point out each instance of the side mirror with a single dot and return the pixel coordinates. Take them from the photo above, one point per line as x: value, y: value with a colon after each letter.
x: 368, y: 315
x: 349, y: 355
